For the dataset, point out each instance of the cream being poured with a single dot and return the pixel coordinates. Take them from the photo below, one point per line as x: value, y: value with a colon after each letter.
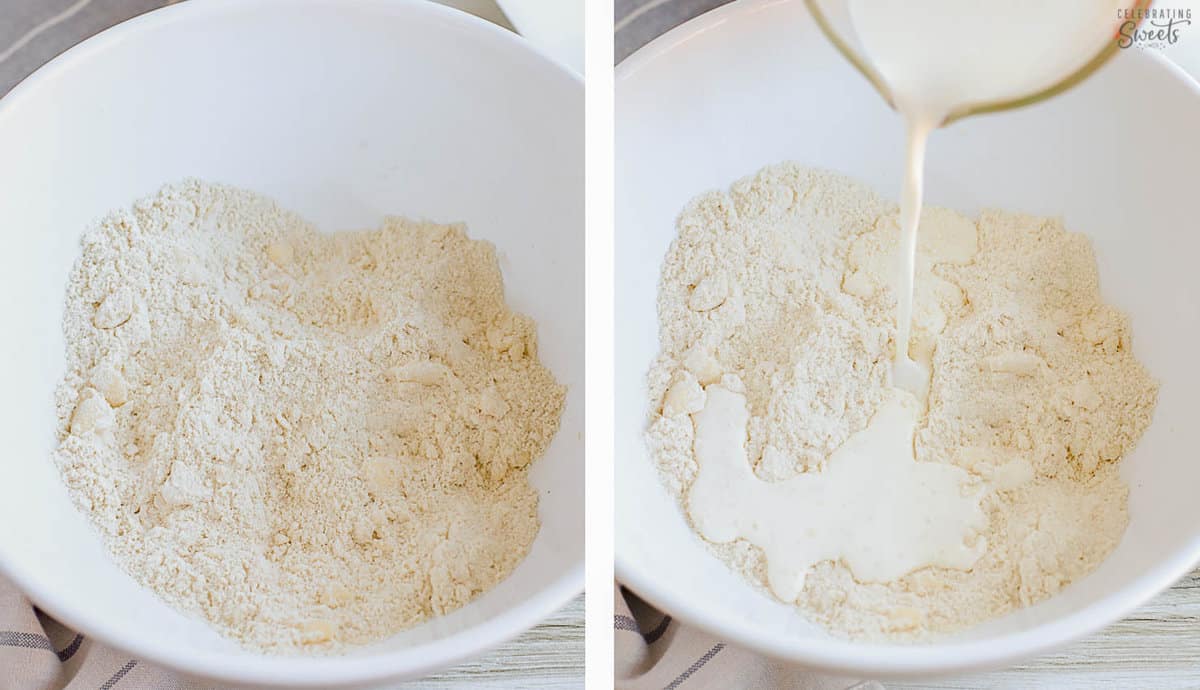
x: 873, y: 506
x: 939, y: 57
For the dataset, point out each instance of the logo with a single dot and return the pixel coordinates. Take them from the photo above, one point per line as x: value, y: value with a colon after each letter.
x: 1151, y: 27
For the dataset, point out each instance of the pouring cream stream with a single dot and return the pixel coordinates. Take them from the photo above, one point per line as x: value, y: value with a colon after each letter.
x: 881, y: 512
x: 937, y: 56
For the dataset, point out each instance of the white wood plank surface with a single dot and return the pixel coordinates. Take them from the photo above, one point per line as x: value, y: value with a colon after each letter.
x: 1158, y: 647
x: 548, y: 656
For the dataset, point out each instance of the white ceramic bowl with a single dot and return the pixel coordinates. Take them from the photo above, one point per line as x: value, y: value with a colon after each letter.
x: 345, y: 111
x: 754, y: 83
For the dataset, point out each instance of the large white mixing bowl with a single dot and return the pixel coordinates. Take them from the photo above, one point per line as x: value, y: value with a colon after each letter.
x: 345, y: 111
x: 755, y: 83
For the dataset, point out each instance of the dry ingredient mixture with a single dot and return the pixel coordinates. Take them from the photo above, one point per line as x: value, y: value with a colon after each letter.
x: 310, y: 440
x: 783, y: 291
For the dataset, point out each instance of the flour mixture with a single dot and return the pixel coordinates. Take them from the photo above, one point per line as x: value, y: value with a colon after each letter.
x: 310, y: 440
x: 773, y: 395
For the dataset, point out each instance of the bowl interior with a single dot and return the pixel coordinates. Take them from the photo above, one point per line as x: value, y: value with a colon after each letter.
x: 755, y: 83
x: 344, y: 111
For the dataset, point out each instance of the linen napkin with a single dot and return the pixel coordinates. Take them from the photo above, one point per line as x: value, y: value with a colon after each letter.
x: 39, y: 653
x: 653, y: 652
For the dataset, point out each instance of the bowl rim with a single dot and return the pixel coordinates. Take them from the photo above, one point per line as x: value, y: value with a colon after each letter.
x: 298, y: 671
x: 837, y: 656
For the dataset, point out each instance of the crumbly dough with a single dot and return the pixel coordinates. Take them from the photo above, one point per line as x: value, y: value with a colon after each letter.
x: 310, y: 440
x: 788, y: 283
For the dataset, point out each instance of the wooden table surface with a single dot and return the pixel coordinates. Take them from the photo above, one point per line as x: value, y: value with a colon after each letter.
x: 1158, y: 647
x: 548, y: 656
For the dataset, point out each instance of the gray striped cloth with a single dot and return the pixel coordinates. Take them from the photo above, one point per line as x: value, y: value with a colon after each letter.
x: 637, y: 22
x: 39, y: 653
x: 651, y: 652
x: 34, y: 31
